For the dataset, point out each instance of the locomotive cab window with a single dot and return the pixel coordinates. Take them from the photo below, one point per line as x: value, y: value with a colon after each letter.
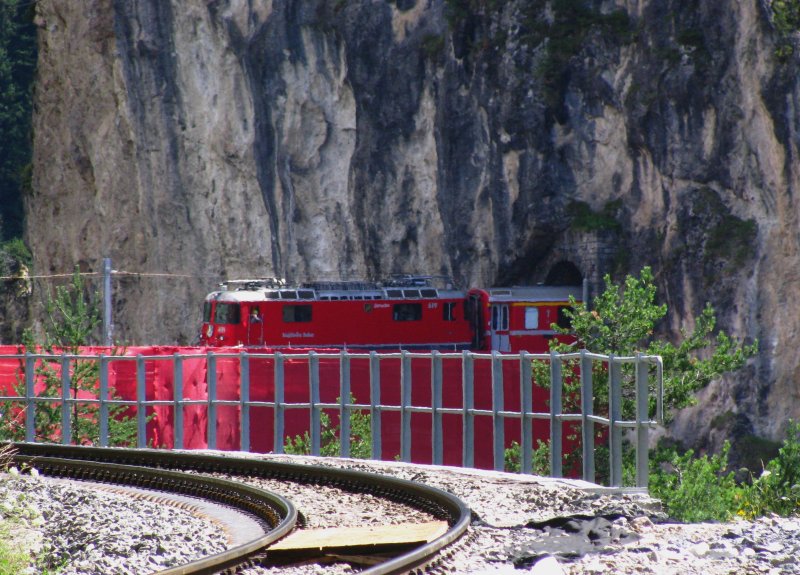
x: 407, y: 312
x: 206, y: 312
x: 296, y: 313
x: 449, y: 311
x: 227, y: 313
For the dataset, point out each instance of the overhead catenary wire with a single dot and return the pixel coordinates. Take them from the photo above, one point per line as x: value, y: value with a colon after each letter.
x: 24, y: 277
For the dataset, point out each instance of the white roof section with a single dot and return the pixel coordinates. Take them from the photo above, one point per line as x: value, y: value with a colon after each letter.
x: 535, y: 293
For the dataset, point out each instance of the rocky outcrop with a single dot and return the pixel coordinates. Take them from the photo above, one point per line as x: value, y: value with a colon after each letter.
x: 196, y: 140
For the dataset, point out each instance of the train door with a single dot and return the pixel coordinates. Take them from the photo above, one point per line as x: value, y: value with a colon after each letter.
x: 499, y: 327
x: 474, y: 314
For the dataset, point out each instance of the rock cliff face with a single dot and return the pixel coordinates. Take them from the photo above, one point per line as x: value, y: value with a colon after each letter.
x: 534, y: 140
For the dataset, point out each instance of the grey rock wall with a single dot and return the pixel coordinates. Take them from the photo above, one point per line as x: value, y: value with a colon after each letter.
x: 205, y: 139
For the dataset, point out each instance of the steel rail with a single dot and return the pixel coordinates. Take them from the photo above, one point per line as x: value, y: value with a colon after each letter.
x: 275, y: 512
x: 436, y: 502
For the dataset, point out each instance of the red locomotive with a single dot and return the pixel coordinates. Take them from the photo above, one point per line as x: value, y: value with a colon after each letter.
x: 404, y: 312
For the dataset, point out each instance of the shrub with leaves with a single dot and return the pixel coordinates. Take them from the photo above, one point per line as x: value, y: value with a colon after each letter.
x: 695, y: 489
x: 777, y: 489
x: 540, y: 458
x: 330, y: 443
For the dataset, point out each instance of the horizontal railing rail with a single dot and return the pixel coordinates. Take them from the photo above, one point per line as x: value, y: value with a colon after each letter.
x: 637, y: 378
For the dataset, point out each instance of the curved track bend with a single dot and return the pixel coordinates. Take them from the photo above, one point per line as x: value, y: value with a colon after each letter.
x: 148, y: 465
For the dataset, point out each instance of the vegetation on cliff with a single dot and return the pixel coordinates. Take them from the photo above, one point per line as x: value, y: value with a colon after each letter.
x: 17, y: 67
x: 786, y: 19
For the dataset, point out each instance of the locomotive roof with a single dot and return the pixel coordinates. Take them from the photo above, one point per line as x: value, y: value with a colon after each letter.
x: 397, y: 287
x: 534, y: 293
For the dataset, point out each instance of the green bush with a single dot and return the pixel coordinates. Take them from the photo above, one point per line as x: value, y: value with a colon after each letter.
x: 330, y: 444
x: 17, y: 250
x: 777, y: 489
x: 540, y: 461
x: 695, y: 489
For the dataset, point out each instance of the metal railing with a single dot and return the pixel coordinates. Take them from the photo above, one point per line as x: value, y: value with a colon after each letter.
x: 571, y: 382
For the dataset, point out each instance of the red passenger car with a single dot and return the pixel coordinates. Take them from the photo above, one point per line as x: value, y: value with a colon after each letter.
x: 518, y: 319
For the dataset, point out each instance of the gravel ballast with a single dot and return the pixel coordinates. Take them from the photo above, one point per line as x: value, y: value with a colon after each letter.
x: 79, y: 530
x: 520, y: 524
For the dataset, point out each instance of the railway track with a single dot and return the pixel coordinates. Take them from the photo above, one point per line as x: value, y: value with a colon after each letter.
x: 201, y: 475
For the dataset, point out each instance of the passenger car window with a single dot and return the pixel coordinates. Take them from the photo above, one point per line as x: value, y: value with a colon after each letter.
x: 531, y: 317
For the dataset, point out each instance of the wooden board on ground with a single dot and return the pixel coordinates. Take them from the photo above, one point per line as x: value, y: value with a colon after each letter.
x: 340, y: 539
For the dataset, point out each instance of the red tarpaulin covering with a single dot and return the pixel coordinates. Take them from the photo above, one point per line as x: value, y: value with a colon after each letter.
x: 159, y: 374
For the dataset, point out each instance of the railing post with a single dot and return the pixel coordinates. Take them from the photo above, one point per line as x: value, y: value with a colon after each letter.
x: 587, y: 409
x: 660, y: 390
x: 556, y: 386
x: 30, y: 394
x: 104, y: 411
x: 375, y: 402
x: 244, y: 400
x: 344, y: 400
x: 278, y: 420
x: 614, y: 416
x: 177, y: 401
x: 497, y: 406
x: 526, y: 405
x: 66, y: 396
x: 437, y: 447
x: 642, y: 423
x: 313, y: 395
x: 468, y: 418
x: 141, y: 397
x: 211, y: 410
x: 405, y: 403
